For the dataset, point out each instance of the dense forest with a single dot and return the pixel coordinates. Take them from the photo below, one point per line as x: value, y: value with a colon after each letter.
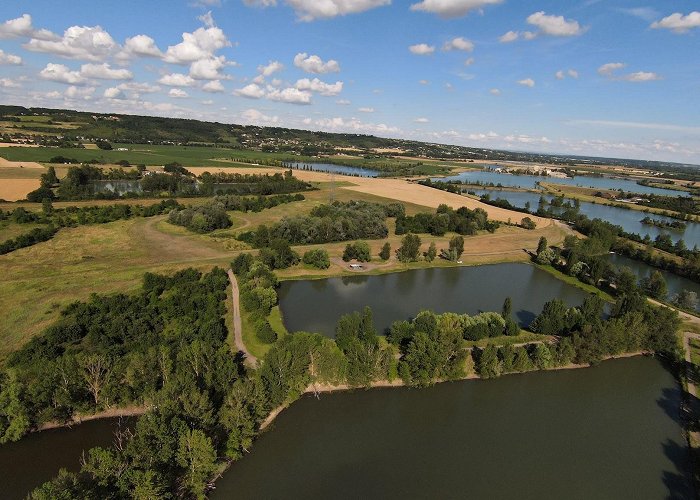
x: 338, y: 221
x: 165, y: 348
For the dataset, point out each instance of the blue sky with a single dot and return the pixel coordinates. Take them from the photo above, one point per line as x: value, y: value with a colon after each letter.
x: 598, y: 77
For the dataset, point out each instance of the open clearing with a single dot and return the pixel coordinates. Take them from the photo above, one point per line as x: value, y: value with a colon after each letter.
x: 17, y: 189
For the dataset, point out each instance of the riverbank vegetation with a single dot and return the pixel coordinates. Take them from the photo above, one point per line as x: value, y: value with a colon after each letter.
x: 164, y: 348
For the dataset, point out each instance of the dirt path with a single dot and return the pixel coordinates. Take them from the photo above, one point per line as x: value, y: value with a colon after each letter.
x: 249, y: 360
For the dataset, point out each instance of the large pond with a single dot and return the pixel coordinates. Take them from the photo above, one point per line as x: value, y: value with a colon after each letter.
x: 629, y: 220
x: 530, y: 182
x: 316, y: 305
x: 37, y: 458
x: 608, y: 432
x: 675, y: 283
x: 337, y: 169
x: 118, y: 187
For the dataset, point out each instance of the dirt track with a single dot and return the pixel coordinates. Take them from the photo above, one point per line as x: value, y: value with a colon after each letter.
x: 249, y: 360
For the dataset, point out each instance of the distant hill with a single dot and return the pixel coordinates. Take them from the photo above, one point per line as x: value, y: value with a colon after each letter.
x: 17, y: 122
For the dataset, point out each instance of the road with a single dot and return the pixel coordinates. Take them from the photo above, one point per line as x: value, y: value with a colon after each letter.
x: 250, y: 360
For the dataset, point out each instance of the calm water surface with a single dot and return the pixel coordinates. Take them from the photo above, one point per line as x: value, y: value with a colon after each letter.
x: 37, y: 458
x: 629, y: 220
x: 316, y: 306
x: 675, y: 283
x: 530, y: 182
x: 608, y: 432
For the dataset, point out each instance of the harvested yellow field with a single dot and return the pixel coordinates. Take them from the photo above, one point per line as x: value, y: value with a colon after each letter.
x: 13, y: 145
x: 19, y: 164
x: 17, y: 189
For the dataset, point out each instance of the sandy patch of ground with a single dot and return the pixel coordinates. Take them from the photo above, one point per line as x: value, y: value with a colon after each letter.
x: 13, y: 145
x: 21, y: 164
x: 17, y: 189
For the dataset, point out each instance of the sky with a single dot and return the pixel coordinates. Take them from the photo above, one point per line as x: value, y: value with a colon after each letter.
x: 616, y: 78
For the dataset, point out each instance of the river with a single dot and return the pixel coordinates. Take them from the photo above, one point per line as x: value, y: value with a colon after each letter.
x: 629, y: 220
x: 607, y: 432
x: 530, y: 182
x: 316, y: 305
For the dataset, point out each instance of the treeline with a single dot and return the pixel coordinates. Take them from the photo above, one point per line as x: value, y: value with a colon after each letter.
x: 258, y: 293
x: 461, y: 221
x: 36, y: 235
x: 201, y: 218
x: 676, y: 225
x: 354, y: 220
x: 73, y: 217
x: 247, y: 184
x: 683, y: 204
x: 256, y: 204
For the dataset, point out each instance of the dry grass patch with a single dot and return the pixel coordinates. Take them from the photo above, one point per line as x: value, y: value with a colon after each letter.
x: 17, y: 189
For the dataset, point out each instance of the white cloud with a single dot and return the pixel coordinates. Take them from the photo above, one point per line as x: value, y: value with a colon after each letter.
x: 679, y: 23
x: 141, y: 45
x: 255, y: 117
x: 7, y: 83
x: 421, y: 120
x: 105, y: 72
x: 271, y: 68
x: 78, y: 42
x: 343, y: 102
x: 178, y: 93
x: 642, y: 76
x: 84, y: 93
x: 527, y: 82
x: 252, y: 91
x: 555, y: 25
x: 424, y: 82
x: 144, y: 88
x: 609, y: 68
x: 309, y: 10
x: 314, y: 64
x: 469, y: 61
x: 22, y: 28
x: 571, y: 73
x: 422, y: 49
x: 62, y: 74
x: 320, y: 87
x: 366, y: 110
x: 511, y: 36
x: 208, y: 102
x: 495, y: 91
x: 6, y: 58
x: 452, y: 8
x: 177, y: 80
x: 213, y: 86
x: 208, y: 69
x: 198, y: 45
x: 354, y: 125
x: 459, y: 43
x: 114, y: 93
x: 260, y: 3
x: 289, y: 95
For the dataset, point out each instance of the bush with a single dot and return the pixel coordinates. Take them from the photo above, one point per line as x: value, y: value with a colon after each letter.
x: 358, y: 251
x: 264, y: 332
x: 39, y: 195
x: 317, y: 258
x: 104, y: 145
x: 528, y: 223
